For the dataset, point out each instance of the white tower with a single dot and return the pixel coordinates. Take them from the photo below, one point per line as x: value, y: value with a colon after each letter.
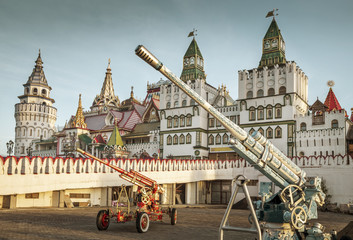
x: 35, y: 116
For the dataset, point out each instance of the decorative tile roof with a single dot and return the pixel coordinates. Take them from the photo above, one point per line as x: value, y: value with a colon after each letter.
x: 99, y: 139
x: 193, y: 49
x: 95, y: 122
x: 38, y: 76
x: 331, y: 102
x: 115, y: 138
x: 107, y: 98
x: 143, y: 129
x: 79, y: 120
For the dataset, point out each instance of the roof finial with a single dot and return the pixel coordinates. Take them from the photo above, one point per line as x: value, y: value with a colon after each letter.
x: 193, y: 33
x: 272, y: 13
x: 108, y: 64
x: 79, y: 120
x: 331, y: 83
x: 132, y: 92
x: 39, y: 52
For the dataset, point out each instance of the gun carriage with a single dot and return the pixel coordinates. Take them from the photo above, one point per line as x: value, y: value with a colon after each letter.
x: 283, y: 215
x: 147, y: 208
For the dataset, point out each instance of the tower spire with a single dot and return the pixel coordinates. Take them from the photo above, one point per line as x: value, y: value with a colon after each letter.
x: 331, y: 102
x: 193, y: 66
x: 273, y: 46
x: 79, y: 121
x: 106, y: 98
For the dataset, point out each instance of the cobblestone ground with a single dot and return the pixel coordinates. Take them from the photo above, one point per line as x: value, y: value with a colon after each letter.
x: 79, y: 223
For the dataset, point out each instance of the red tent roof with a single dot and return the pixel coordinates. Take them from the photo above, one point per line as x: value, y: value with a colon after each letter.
x: 331, y: 102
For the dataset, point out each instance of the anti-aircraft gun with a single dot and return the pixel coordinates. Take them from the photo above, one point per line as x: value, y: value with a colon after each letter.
x: 283, y: 215
x: 147, y: 208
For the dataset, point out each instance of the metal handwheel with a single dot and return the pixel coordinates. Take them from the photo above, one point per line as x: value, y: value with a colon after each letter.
x: 298, y: 218
x: 146, y: 193
x: 293, y: 195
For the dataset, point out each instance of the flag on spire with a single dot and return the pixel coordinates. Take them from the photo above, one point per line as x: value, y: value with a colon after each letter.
x: 272, y: 13
x: 192, y: 33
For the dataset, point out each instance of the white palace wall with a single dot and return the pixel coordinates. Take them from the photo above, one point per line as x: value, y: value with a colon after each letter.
x: 19, y: 176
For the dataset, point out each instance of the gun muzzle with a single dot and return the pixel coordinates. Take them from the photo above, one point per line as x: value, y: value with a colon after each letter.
x: 148, y: 57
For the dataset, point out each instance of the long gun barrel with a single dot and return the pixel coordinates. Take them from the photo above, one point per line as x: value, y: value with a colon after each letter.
x: 256, y: 149
x: 132, y: 176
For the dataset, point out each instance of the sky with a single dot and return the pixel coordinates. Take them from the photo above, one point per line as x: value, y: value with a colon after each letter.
x: 76, y: 39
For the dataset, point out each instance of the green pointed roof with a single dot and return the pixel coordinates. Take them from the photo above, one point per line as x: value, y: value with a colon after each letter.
x: 273, y: 30
x: 115, y: 138
x: 193, y: 63
x: 273, y: 46
x: 193, y: 49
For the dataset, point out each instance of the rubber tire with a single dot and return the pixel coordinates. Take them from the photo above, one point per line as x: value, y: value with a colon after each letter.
x: 103, y: 215
x: 174, y: 216
x: 142, y: 216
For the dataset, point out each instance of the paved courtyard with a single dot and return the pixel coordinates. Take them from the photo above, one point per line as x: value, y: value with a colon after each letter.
x: 79, y: 223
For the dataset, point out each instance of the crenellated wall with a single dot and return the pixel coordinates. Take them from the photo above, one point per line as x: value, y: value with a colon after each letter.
x: 35, y: 174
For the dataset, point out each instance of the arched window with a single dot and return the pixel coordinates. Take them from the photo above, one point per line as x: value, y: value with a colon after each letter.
x: 303, y: 126
x: 278, y: 132
x: 176, y: 104
x: 175, y: 139
x: 192, y: 102
x: 260, y: 113
x: 168, y: 105
x: 183, y: 103
x: 27, y: 90
x: 211, y: 122
x: 269, y: 133
x: 176, y: 121
x: 269, y: 112
x: 271, y: 92
x: 169, y: 122
x: 301, y: 154
x: 251, y: 131
x: 261, y: 131
x: 218, y: 139
x: 334, y: 123
x: 210, y: 140
x: 188, y: 120
x: 249, y: 94
x: 260, y: 93
x: 278, y: 108
x: 44, y: 92
x: 169, y: 140
x: 182, y: 121
x: 252, y: 114
x: 225, y: 139
x: 182, y: 139
x: 188, y: 138
x: 282, y: 90
x: 35, y: 91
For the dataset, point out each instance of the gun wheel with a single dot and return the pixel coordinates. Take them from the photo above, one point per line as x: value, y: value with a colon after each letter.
x: 293, y: 195
x: 142, y: 222
x: 298, y: 218
x: 102, y: 220
x: 174, y: 216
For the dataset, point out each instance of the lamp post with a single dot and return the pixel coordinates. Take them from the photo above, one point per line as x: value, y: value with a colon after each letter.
x: 29, y: 150
x: 9, y: 146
